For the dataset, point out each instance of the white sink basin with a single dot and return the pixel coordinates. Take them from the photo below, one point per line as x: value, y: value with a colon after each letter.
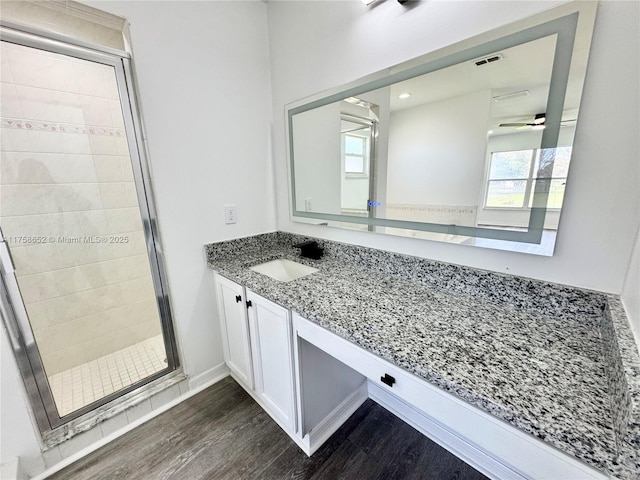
x: 283, y: 270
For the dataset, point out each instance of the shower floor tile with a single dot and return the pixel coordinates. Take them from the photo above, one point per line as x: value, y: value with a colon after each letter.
x: 86, y: 383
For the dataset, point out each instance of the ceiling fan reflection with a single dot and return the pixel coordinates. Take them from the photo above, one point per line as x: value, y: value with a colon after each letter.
x: 539, y: 122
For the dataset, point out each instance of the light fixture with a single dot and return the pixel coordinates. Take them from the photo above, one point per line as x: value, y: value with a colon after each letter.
x: 369, y: 2
x: 540, y: 118
x: 537, y: 124
x: 404, y: 96
x: 358, y: 102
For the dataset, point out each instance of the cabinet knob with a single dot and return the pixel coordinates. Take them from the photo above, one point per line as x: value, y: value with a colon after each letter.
x: 248, y: 303
x: 388, y: 380
x: 238, y: 298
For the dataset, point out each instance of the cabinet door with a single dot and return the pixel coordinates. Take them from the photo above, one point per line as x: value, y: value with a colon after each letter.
x: 271, y: 343
x: 235, y: 329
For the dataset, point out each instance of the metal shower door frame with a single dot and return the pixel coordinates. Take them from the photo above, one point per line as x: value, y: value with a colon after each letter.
x: 372, y: 160
x: 11, y: 305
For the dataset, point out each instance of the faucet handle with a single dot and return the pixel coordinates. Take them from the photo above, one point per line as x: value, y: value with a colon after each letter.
x: 306, y: 244
x: 310, y: 249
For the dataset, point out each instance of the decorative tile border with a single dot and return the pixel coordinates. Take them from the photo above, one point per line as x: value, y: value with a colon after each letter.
x: 458, y: 209
x: 37, y: 125
x: 464, y: 215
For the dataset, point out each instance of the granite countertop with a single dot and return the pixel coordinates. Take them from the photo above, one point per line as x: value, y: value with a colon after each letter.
x: 529, y: 353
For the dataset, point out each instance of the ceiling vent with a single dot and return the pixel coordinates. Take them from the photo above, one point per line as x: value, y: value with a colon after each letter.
x: 486, y: 60
x: 511, y: 96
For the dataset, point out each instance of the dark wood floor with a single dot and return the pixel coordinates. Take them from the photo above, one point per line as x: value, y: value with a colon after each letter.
x: 221, y: 433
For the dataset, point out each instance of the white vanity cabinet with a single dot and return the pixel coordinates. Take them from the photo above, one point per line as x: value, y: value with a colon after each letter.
x: 234, y: 324
x: 258, y: 349
x: 272, y: 353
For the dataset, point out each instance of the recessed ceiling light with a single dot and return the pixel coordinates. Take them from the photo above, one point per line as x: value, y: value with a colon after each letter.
x: 357, y: 101
x: 404, y: 96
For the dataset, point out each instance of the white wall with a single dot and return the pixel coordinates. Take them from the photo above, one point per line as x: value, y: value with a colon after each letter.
x: 317, y: 151
x: 631, y: 291
x: 438, y: 145
x: 320, y: 45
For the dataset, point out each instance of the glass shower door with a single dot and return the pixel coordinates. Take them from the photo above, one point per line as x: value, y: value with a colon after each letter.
x: 76, y: 219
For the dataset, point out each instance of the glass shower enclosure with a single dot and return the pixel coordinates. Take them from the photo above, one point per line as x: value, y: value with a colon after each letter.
x: 83, y: 290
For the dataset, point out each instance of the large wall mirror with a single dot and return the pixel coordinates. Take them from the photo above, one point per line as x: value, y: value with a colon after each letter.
x: 471, y: 144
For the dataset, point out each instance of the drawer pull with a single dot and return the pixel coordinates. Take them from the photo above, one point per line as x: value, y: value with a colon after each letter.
x: 238, y: 298
x: 388, y: 379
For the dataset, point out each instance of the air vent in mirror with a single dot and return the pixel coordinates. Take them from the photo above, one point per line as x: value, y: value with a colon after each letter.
x: 489, y: 59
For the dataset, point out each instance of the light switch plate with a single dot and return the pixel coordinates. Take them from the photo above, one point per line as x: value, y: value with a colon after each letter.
x: 230, y: 214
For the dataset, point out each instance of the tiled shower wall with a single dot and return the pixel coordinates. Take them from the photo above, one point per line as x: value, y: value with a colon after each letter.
x: 69, y: 210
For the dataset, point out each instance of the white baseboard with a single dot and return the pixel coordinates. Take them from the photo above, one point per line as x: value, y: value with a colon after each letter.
x: 537, y: 459
x: 258, y: 400
x: 332, y: 422
x: 443, y: 437
x: 209, y: 377
x: 321, y: 433
x: 196, y: 385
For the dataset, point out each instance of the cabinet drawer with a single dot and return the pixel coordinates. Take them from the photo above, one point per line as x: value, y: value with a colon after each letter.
x: 382, y: 373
